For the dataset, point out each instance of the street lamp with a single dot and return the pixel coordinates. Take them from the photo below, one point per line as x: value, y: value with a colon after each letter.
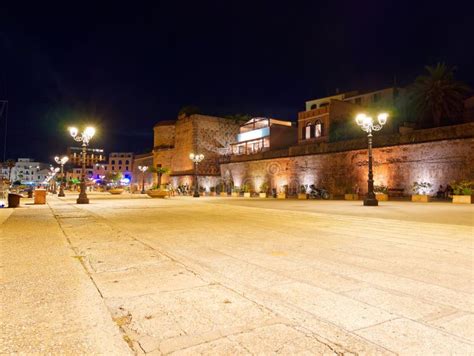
x: 367, y: 124
x: 52, y: 172
x: 196, y: 158
x: 61, y: 161
x: 84, y: 137
x: 143, y: 169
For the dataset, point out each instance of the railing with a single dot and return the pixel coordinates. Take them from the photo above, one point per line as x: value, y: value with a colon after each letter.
x: 311, y: 113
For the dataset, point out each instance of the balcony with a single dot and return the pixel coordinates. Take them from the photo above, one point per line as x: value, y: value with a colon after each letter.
x: 312, y: 113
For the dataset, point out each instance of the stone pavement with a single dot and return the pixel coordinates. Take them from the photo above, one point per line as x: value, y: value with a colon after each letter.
x: 48, y: 304
x: 220, y: 276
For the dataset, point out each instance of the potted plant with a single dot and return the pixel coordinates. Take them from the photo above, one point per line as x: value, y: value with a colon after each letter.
x: 420, y: 192
x: 462, y: 192
x: 246, y: 190
x: 302, y: 193
x: 381, y: 192
x: 352, y: 193
x: 235, y: 191
x: 282, y: 192
x: 213, y: 191
x: 263, y: 190
x: 115, y: 178
x: 158, y: 190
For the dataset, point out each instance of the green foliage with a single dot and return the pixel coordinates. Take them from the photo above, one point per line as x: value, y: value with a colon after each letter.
x: 381, y: 189
x: 421, y: 188
x: 74, y: 181
x: 236, y: 189
x: 189, y: 110
x: 264, y: 187
x: 239, y: 118
x: 114, y: 177
x: 341, y: 130
x: 246, y: 188
x: 463, y: 187
x: 437, y: 96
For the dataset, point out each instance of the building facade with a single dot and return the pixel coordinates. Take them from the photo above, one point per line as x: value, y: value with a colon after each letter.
x: 437, y: 156
x: 138, y: 177
x: 27, y: 171
x: 203, y: 134
x: 263, y: 134
x: 93, y: 156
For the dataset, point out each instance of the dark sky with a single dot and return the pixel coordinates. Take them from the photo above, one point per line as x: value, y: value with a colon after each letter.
x: 125, y: 67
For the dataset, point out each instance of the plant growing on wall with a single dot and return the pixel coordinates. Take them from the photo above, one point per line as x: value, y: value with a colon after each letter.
x: 246, y: 188
x: 463, y: 187
x: 421, y: 188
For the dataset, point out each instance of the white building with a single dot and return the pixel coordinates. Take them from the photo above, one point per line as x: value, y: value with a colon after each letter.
x: 27, y: 171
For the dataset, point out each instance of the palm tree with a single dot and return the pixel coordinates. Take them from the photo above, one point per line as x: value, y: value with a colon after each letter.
x: 437, y: 95
x: 159, y: 172
x: 10, y: 164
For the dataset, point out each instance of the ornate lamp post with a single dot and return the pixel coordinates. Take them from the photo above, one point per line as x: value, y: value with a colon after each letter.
x: 196, y: 158
x: 61, y: 161
x: 84, y: 137
x: 367, y: 124
x: 143, y: 169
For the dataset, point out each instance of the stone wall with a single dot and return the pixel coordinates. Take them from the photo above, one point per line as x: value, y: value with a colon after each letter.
x: 437, y: 162
x: 204, y: 134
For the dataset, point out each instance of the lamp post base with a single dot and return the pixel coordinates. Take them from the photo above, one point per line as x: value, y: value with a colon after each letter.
x: 371, y: 202
x: 61, y: 192
x: 82, y: 200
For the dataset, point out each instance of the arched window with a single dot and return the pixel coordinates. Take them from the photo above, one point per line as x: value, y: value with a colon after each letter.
x: 113, y: 161
x: 120, y: 161
x: 318, y: 129
x: 308, y: 130
x: 314, y: 106
x: 126, y: 162
x: 322, y: 105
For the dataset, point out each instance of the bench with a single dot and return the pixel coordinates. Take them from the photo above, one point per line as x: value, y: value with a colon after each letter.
x: 395, y: 192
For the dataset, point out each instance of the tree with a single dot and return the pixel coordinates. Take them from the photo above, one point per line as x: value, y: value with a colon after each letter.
x: 436, y: 95
x: 159, y: 172
x: 114, y: 177
x: 189, y: 110
x: 10, y: 164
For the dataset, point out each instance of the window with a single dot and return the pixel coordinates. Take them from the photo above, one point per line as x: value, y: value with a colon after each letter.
x: 120, y: 168
x: 127, y: 162
x: 376, y: 97
x: 120, y: 161
x: 318, y: 129
x: 314, y: 106
x: 358, y: 101
x: 322, y: 105
x: 113, y: 161
x: 308, y: 130
x: 126, y: 168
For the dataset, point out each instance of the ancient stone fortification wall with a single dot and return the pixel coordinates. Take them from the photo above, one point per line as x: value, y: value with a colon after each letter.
x: 204, y: 134
x: 437, y: 162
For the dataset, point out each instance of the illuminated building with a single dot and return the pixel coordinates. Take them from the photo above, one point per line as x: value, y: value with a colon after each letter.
x: 262, y: 134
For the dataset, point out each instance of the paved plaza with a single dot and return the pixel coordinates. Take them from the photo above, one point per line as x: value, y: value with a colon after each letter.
x: 129, y: 274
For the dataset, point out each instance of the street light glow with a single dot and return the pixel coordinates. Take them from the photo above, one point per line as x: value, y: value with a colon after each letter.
x: 73, y: 131
x: 382, y: 118
x: 90, y: 131
x: 360, y: 119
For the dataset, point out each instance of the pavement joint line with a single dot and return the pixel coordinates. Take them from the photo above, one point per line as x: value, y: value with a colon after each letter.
x: 242, y: 294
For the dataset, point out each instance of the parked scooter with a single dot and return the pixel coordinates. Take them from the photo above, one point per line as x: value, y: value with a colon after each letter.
x: 317, y: 193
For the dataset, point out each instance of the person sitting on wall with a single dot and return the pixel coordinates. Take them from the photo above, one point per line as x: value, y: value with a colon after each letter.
x: 440, y: 193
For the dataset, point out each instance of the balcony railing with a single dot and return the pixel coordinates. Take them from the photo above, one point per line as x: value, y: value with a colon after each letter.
x: 312, y: 113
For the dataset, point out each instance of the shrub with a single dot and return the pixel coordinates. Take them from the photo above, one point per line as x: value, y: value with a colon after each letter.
x: 381, y: 189
x: 421, y: 188
x: 264, y: 187
x: 462, y: 188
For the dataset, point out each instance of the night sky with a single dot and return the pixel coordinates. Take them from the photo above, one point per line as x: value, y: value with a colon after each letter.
x: 125, y: 67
